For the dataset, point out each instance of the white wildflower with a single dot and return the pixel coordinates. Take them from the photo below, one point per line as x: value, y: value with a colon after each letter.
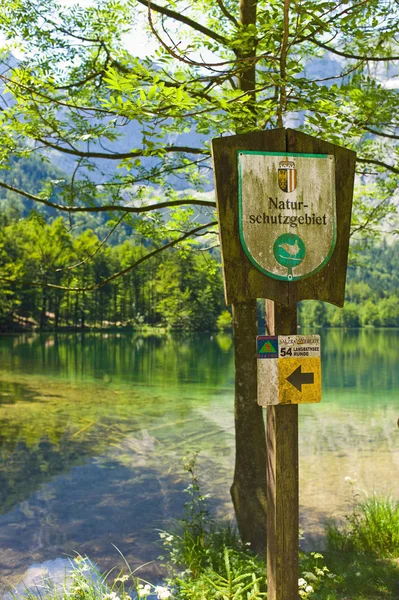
x: 83, y: 563
x: 111, y: 596
x: 145, y: 590
x: 77, y: 590
x: 302, y: 582
x: 308, y: 589
x: 163, y: 593
x: 349, y: 480
x: 122, y: 578
x: 85, y: 567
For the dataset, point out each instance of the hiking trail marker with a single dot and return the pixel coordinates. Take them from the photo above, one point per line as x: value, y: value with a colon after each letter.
x: 284, y: 202
x: 289, y: 370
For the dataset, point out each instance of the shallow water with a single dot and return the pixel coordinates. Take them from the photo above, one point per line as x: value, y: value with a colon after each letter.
x: 94, y: 427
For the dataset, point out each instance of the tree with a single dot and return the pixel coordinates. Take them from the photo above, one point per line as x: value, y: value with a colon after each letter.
x: 313, y: 314
x: 218, y: 68
x: 369, y: 314
x: 388, y: 311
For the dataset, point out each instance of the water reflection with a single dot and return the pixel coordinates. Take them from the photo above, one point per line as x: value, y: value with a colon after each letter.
x: 129, y: 357
x: 93, y: 429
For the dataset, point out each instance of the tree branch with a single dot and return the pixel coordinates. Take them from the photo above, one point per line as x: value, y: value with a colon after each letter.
x: 120, y: 155
x: 108, y: 207
x: 226, y: 13
x: 10, y: 82
x: 380, y: 133
x: 369, y: 218
x: 209, y: 66
x: 324, y: 24
x: 138, y: 262
x: 80, y: 82
x: 97, y: 250
x: 186, y: 20
x: 355, y: 56
x: 379, y: 163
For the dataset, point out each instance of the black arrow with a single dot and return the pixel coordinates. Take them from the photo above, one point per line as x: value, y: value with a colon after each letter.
x: 298, y: 379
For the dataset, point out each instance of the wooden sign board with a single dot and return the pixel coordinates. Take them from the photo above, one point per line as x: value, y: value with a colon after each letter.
x: 284, y: 201
x: 289, y: 369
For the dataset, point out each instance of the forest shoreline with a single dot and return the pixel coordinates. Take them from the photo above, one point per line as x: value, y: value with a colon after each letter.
x: 15, y: 329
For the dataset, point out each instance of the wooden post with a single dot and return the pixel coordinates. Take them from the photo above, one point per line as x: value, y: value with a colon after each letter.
x: 284, y: 203
x: 282, y: 480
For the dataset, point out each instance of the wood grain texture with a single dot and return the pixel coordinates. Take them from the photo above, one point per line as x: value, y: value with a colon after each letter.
x: 243, y: 281
x: 248, y: 491
x: 282, y: 485
x: 329, y: 283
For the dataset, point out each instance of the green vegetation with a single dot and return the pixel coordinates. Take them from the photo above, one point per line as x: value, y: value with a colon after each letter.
x: 365, y: 553
x: 180, y: 289
x: 31, y: 173
x: 208, y: 561
x: 372, y: 292
x: 373, y: 528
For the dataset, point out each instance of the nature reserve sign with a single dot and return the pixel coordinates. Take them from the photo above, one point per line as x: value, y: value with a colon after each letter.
x: 284, y: 203
x: 287, y: 211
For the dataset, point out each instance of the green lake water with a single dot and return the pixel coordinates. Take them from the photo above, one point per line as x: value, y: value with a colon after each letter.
x: 94, y: 429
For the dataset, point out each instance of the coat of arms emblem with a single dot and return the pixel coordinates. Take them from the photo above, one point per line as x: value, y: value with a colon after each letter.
x: 287, y: 176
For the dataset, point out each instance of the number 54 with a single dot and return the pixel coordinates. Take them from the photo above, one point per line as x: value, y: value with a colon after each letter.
x: 286, y: 351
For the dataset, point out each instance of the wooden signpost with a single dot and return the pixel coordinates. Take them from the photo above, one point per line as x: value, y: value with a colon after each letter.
x: 284, y: 202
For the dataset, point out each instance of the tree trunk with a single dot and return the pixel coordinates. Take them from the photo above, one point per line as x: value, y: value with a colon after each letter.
x: 249, y: 486
x: 43, y: 312
x: 76, y: 310
x: 57, y: 308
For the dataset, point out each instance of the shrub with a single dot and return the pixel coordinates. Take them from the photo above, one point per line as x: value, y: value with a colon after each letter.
x: 207, y: 560
x: 224, y: 321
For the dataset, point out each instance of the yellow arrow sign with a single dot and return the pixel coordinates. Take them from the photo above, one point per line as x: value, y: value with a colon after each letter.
x: 299, y: 380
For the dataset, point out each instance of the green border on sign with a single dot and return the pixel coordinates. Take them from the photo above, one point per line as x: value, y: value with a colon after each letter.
x: 240, y: 217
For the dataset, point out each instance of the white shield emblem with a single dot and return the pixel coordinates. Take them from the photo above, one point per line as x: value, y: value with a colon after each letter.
x: 287, y: 212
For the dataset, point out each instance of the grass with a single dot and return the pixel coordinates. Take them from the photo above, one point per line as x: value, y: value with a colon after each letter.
x: 360, y: 578
x: 85, y: 582
x: 373, y: 528
x: 365, y: 552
